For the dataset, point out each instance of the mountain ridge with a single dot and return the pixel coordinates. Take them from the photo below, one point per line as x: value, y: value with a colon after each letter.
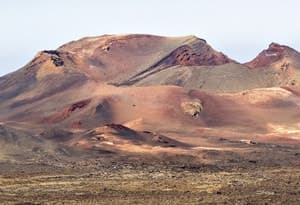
x: 174, y: 94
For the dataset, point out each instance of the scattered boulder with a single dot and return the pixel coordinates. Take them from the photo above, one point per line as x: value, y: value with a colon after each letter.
x: 250, y: 142
x: 52, y: 52
x: 57, y: 61
x: 55, y: 57
x: 106, y: 48
x: 193, y: 108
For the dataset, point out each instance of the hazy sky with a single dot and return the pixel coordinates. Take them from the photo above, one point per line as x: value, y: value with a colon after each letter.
x: 238, y: 28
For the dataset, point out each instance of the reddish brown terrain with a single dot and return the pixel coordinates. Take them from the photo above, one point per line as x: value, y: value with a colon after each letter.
x: 113, y: 102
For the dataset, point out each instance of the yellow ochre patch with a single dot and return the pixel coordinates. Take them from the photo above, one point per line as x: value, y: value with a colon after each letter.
x: 48, y: 68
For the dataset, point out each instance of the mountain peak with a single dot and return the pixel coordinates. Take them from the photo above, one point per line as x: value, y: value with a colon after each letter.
x: 278, y: 48
x: 275, y: 52
x: 274, y: 45
x: 113, y: 58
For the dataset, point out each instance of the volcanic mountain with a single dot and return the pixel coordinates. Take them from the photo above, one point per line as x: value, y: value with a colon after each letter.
x: 105, y: 59
x: 276, y: 55
x: 276, y: 66
x: 135, y: 92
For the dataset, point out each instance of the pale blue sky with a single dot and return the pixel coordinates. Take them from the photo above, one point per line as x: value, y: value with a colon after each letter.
x: 238, y: 28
